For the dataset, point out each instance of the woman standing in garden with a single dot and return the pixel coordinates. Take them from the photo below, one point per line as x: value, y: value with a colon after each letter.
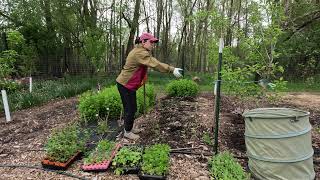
x: 134, y: 74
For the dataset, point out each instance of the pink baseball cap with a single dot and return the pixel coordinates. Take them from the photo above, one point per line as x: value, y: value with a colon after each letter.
x: 148, y: 36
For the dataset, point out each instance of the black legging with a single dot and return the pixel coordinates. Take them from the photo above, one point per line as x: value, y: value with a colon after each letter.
x: 129, y: 102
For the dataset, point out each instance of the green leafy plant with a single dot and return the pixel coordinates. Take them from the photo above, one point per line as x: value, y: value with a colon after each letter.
x: 63, y: 144
x: 9, y: 85
x: 127, y: 157
x: 93, y: 106
x: 207, y: 139
x: 8, y: 59
x: 155, y: 160
x: 182, y: 88
x: 101, y: 153
x: 223, y: 166
x: 102, y: 127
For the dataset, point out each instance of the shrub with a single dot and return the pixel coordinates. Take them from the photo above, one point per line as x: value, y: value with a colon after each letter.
x: 155, y: 160
x: 108, y: 103
x: 63, y: 144
x: 182, y: 88
x: 111, y: 103
x: 9, y: 86
x: 224, y: 166
x: 89, y: 106
x: 150, y: 99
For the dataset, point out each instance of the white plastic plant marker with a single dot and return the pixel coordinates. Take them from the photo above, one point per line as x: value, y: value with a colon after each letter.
x: 215, y: 88
x: 30, y: 84
x: 221, y: 44
x: 6, y: 105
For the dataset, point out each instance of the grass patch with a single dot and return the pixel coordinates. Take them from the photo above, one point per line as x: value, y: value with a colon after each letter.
x: 303, y: 87
x: 47, y: 90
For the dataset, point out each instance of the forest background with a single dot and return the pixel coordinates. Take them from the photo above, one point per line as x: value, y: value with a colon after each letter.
x: 276, y: 40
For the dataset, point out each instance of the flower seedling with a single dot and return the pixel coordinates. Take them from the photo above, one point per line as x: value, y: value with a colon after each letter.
x: 63, y: 144
x: 129, y: 157
x: 101, y: 153
x: 155, y: 160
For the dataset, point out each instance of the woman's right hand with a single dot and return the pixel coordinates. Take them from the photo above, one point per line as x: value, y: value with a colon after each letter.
x: 176, y: 72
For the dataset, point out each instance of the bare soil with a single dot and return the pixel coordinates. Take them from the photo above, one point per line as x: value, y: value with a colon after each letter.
x: 179, y: 122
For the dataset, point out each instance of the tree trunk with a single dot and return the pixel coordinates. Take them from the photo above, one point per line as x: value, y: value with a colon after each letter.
x: 229, y: 30
x: 133, y: 26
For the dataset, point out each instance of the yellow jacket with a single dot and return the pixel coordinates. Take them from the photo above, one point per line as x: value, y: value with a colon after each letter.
x: 134, y: 72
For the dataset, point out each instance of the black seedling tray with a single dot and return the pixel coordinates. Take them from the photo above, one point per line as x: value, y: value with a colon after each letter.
x: 151, y: 177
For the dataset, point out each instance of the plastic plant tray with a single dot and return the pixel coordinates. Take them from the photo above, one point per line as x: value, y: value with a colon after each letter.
x: 151, y: 177
x: 55, y: 165
x: 104, y: 165
x: 135, y: 169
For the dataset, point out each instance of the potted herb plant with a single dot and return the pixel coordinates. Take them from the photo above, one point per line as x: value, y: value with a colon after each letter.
x: 155, y: 162
x: 63, y: 147
x: 127, y: 160
x: 99, y: 159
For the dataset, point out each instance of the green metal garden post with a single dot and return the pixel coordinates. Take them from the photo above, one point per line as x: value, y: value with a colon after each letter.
x: 217, y: 98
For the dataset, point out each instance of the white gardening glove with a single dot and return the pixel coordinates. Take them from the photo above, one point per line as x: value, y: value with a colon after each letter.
x: 271, y: 86
x: 176, y: 72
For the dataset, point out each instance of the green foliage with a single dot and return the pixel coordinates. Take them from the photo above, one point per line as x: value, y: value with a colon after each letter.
x: 150, y: 99
x: 7, y: 62
x: 207, y: 139
x: 44, y: 91
x: 155, y: 160
x: 111, y: 103
x: 89, y: 106
x: 95, y: 47
x: 9, y: 85
x: 63, y: 144
x: 105, y: 103
x: 101, y: 153
x: 127, y: 157
x: 182, y: 88
x: 108, y: 103
x: 25, y: 55
x: 15, y: 39
x: 224, y: 167
x: 239, y: 82
x: 102, y: 127
x: 299, y: 50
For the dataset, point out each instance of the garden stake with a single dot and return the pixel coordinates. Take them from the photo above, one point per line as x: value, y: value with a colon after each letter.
x: 144, y: 99
x: 6, y: 105
x: 217, y: 98
x: 30, y: 84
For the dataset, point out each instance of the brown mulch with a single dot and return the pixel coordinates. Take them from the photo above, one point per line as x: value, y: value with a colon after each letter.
x: 179, y: 122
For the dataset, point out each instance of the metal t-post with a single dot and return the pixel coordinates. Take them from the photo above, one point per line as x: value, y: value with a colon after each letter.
x: 217, y: 98
x: 144, y: 99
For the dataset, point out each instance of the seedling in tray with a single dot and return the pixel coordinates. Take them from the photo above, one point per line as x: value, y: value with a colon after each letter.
x: 127, y: 160
x: 99, y: 159
x: 63, y: 147
x: 155, y: 162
